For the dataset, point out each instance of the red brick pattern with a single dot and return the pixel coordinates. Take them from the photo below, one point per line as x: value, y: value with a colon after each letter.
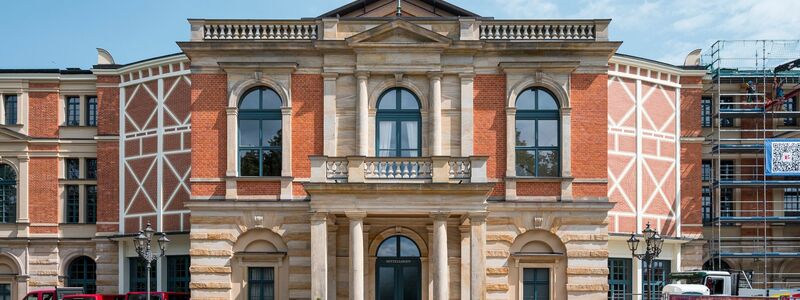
x: 691, y: 187
x: 538, y: 189
x: 490, y: 125
x: 43, y: 192
x: 107, y: 185
x: 258, y: 188
x: 589, y: 129
x: 43, y: 110
x: 307, y: 122
x: 209, y: 133
x: 107, y: 106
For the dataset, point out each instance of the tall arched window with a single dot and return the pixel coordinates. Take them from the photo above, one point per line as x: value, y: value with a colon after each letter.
x: 8, y: 194
x: 81, y: 272
x: 398, y: 273
x: 260, y: 133
x: 398, y: 132
x: 537, y: 134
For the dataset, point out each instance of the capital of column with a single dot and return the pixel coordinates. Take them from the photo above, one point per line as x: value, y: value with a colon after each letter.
x: 511, y: 110
x: 330, y: 76
x: 361, y: 75
x: 356, y: 215
x: 466, y: 76
x: 440, y: 215
x: 231, y: 111
x: 286, y: 111
x: 435, y: 75
x: 477, y: 217
x: 319, y: 217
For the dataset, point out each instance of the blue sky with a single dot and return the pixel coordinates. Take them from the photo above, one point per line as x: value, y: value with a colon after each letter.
x: 61, y: 33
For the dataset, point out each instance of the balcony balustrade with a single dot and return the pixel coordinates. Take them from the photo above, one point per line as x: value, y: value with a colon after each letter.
x: 359, y: 169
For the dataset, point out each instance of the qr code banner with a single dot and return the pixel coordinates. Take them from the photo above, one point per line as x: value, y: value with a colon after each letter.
x: 783, y: 157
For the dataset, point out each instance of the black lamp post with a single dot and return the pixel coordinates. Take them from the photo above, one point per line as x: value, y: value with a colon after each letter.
x: 142, y: 243
x: 654, y: 242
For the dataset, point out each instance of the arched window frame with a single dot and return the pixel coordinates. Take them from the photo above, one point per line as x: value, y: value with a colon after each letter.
x: 398, y: 115
x: 8, y: 188
x: 537, y: 115
x: 261, y: 114
x: 82, y: 272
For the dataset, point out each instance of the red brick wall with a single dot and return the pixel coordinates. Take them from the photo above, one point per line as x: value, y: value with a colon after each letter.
x: 490, y: 125
x: 307, y: 122
x: 107, y: 185
x: 209, y: 135
x: 691, y: 158
x: 43, y: 192
x: 257, y: 188
x: 538, y: 189
x: 589, y: 132
x: 107, y: 106
x: 43, y: 110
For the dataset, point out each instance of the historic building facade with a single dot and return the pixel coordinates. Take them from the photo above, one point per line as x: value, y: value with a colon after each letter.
x: 436, y: 154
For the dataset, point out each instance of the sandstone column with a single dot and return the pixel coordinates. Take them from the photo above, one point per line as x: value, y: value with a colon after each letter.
x: 363, y: 114
x: 477, y: 222
x: 356, y: 254
x: 319, y: 256
x: 436, y: 113
x: 441, y: 280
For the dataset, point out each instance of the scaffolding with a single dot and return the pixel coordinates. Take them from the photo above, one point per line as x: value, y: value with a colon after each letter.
x: 750, y: 221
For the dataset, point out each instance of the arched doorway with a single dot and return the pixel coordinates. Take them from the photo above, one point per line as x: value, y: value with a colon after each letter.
x: 398, y: 274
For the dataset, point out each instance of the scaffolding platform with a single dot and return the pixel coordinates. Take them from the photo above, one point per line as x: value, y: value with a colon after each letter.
x: 746, y: 106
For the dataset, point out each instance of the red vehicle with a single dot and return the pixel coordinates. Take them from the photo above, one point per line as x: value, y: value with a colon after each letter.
x: 157, y: 296
x: 53, y: 294
x: 93, y: 297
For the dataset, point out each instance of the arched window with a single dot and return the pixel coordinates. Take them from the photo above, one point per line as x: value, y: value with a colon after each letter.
x: 398, y: 132
x: 537, y: 134
x: 398, y: 273
x: 260, y: 133
x: 8, y: 194
x: 81, y: 273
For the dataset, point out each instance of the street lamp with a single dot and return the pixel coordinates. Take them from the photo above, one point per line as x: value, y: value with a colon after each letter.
x: 142, y: 243
x: 654, y: 242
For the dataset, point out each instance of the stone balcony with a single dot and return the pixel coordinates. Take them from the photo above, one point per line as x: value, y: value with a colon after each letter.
x: 360, y: 169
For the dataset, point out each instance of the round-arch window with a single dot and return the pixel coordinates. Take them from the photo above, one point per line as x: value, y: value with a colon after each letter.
x: 81, y: 272
x: 538, y: 134
x: 260, y: 133
x: 398, y: 246
x: 398, y: 130
x: 8, y: 194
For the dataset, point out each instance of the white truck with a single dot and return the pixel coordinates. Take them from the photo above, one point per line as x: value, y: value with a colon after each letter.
x: 718, y: 283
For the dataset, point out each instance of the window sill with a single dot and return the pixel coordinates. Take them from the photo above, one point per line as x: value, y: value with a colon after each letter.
x: 260, y: 178
x: 77, y: 181
x: 12, y: 126
x: 539, y: 179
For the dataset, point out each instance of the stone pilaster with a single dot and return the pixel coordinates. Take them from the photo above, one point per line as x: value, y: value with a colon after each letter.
x: 477, y: 245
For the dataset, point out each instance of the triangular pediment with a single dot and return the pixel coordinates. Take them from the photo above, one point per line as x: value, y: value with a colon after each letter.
x: 399, y: 33
x: 8, y: 135
x: 408, y: 8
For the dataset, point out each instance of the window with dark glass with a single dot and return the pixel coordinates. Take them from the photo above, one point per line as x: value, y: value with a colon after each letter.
x: 260, y: 133
x: 708, y: 209
x: 8, y: 194
x: 707, y: 170
x: 178, y: 273
x: 72, y: 204
x: 5, y: 291
x: 10, y: 106
x: 260, y: 283
x: 73, y: 111
x: 791, y: 202
x: 727, y: 170
x: 536, y: 284
x: 537, y: 134
x: 661, y: 269
x: 726, y: 208
x: 790, y: 105
x: 398, y: 132
x: 620, y: 279
x: 73, y: 168
x: 91, y: 204
x: 91, y: 111
x: 705, y: 112
x: 91, y: 168
x: 726, y: 122
x: 398, y: 269
x: 81, y: 272
x: 137, y: 274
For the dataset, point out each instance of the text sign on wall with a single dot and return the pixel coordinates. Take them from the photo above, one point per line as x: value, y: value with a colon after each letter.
x: 782, y: 157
